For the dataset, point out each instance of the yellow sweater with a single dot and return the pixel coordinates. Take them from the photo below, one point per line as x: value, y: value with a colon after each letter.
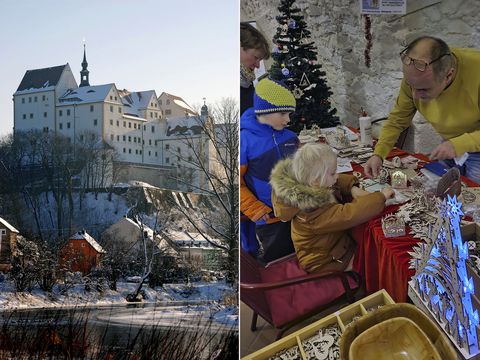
x: 454, y: 114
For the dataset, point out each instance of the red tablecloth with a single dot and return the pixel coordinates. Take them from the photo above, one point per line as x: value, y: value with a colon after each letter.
x: 384, y: 262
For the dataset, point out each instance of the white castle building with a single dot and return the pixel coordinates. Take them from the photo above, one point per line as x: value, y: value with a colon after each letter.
x: 148, y: 132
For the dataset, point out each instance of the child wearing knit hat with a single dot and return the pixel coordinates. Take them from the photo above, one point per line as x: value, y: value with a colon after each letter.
x: 263, y: 142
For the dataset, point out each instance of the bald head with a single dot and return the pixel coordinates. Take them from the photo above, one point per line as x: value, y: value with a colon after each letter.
x: 431, y: 49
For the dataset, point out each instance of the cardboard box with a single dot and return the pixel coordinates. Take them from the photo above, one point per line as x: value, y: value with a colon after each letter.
x: 341, y: 317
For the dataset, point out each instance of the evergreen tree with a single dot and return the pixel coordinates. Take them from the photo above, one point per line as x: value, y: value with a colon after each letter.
x: 295, y: 63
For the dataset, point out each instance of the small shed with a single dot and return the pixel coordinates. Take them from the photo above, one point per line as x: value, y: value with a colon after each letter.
x: 8, y: 244
x: 81, y: 253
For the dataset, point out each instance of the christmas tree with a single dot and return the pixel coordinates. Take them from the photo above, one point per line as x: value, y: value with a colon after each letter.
x: 295, y: 63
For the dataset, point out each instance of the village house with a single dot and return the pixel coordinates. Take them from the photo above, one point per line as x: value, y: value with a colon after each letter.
x: 8, y: 242
x: 81, y: 253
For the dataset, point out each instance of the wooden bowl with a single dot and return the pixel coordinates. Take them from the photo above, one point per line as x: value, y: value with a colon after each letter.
x: 396, y: 338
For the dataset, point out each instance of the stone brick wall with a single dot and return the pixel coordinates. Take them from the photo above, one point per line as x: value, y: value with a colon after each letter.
x: 338, y: 31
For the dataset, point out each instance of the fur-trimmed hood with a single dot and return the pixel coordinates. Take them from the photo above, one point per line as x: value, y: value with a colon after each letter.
x: 291, y: 197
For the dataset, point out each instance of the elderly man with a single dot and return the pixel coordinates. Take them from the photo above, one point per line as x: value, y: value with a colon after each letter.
x: 443, y: 84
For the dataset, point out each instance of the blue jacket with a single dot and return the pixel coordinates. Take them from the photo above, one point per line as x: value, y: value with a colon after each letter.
x: 261, y: 147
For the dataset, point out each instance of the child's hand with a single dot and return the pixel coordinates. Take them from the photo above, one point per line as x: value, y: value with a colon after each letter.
x: 388, y: 193
x: 357, y: 192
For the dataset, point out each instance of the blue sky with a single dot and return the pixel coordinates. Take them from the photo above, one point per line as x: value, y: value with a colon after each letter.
x: 184, y: 47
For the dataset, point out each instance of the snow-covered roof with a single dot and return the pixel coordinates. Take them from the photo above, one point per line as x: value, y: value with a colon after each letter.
x: 130, y: 117
x: 190, y: 238
x: 40, y: 79
x: 181, y: 126
x: 83, y: 235
x: 161, y: 245
x: 85, y: 94
x: 134, y: 102
x: 8, y: 226
x: 180, y: 102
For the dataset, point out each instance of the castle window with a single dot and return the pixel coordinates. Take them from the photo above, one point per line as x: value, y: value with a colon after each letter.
x: 151, y: 114
x: 129, y: 151
x: 167, y: 160
x: 124, y: 124
x: 124, y: 138
x: 167, y: 146
x: 45, y: 129
x: 118, y: 123
x: 124, y: 150
x: 150, y: 142
x: 112, y: 137
x: 119, y: 109
x: 111, y: 97
x: 60, y: 126
x: 44, y: 114
x: 31, y: 116
x: 24, y: 116
x: 68, y: 125
x: 160, y: 102
x: 136, y: 151
x: 81, y: 137
x: 153, y: 129
x: 168, y: 101
x: 168, y: 112
x: 111, y: 108
x: 129, y: 139
x: 60, y: 113
x: 68, y: 112
x: 91, y: 108
x: 35, y: 98
x: 129, y: 125
x: 118, y: 137
x: 115, y: 98
x: 111, y: 121
x: 134, y: 125
x: 95, y: 122
x: 29, y: 99
x: 156, y: 154
x: 144, y: 127
x: 23, y: 100
x: 149, y: 153
x: 43, y: 98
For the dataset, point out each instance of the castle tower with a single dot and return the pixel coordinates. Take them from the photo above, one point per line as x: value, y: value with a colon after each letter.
x: 84, y: 72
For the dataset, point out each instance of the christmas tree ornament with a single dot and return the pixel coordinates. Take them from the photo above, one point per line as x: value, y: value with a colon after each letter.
x: 284, y: 29
x: 292, y: 24
x: 297, y: 92
x: 285, y: 71
x: 304, y: 80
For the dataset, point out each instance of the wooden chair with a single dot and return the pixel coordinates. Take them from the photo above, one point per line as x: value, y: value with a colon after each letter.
x: 283, y: 294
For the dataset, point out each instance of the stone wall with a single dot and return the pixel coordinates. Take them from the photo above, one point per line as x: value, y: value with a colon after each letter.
x: 338, y: 31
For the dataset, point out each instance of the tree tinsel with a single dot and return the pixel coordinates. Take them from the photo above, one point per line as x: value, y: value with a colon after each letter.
x: 295, y: 63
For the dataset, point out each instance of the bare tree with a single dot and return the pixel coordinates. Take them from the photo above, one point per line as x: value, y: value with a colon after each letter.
x: 214, y: 158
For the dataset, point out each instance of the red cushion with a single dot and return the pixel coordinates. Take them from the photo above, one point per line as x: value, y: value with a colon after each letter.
x: 288, y: 303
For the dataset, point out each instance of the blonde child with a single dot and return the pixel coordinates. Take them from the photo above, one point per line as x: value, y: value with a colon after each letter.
x: 307, y: 190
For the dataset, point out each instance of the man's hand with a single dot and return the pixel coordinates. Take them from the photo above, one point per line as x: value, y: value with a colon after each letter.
x: 373, y: 166
x: 443, y: 151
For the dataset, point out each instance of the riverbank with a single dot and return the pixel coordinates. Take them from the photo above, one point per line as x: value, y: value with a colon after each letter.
x: 215, y: 293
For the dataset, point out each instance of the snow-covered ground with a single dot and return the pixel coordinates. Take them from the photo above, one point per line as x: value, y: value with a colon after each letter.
x: 205, y: 298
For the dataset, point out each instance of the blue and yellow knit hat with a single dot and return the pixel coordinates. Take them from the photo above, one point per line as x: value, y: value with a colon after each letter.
x: 271, y: 97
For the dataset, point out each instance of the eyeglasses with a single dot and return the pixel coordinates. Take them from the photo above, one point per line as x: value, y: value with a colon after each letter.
x: 420, y: 65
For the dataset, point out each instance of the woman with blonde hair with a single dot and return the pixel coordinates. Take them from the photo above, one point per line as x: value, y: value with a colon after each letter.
x: 307, y: 190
